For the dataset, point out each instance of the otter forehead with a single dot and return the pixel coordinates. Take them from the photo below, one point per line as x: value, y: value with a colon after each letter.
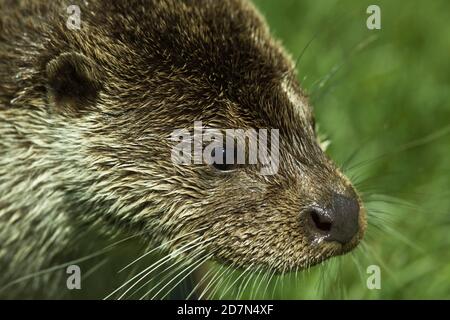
x: 204, y: 60
x: 221, y: 46
x: 190, y: 37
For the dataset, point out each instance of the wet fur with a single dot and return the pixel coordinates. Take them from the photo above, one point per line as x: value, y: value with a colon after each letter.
x: 85, y: 118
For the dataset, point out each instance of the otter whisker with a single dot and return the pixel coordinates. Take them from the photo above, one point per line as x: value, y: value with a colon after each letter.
x: 279, y: 278
x: 396, y: 201
x: 268, y: 282
x: 66, y: 264
x: 191, y: 273
x: 380, y: 215
x: 386, y: 228
x: 296, y: 278
x: 392, y: 200
x: 284, y: 274
x: 369, y: 251
x: 250, y: 277
x: 327, y: 274
x: 147, y: 271
x: 231, y: 286
x: 407, y: 146
x: 193, y: 268
x: 255, y: 281
x: 159, y: 247
x: 274, y: 287
x: 95, y: 268
x: 217, y: 275
x: 175, y: 267
x: 319, y: 85
x: 224, y: 277
x: 201, y: 281
x: 265, y: 275
x: 357, y: 264
x: 245, y: 277
x: 158, y: 263
x: 354, y: 154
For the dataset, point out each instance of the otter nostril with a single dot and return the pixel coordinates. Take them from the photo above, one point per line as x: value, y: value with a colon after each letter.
x: 320, y: 221
x: 336, y: 222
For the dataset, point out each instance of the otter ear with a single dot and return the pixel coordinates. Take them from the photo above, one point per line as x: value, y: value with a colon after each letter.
x: 73, y: 83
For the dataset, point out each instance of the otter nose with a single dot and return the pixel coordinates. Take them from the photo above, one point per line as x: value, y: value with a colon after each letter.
x: 339, y: 222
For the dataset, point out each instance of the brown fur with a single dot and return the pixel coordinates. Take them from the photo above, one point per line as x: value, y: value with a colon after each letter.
x: 85, y: 118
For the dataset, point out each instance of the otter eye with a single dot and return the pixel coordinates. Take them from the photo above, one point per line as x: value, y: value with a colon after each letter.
x: 224, y: 166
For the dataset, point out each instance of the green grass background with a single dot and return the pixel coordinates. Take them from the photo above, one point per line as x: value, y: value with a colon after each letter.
x: 386, y: 94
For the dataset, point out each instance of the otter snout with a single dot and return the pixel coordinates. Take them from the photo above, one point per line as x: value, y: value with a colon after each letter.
x: 336, y: 222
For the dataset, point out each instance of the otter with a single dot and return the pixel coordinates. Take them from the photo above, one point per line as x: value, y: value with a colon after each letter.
x: 85, y: 121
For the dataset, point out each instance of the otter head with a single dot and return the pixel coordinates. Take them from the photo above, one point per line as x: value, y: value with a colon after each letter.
x: 135, y: 73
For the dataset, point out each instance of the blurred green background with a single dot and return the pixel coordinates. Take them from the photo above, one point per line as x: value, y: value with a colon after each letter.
x: 384, y: 94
